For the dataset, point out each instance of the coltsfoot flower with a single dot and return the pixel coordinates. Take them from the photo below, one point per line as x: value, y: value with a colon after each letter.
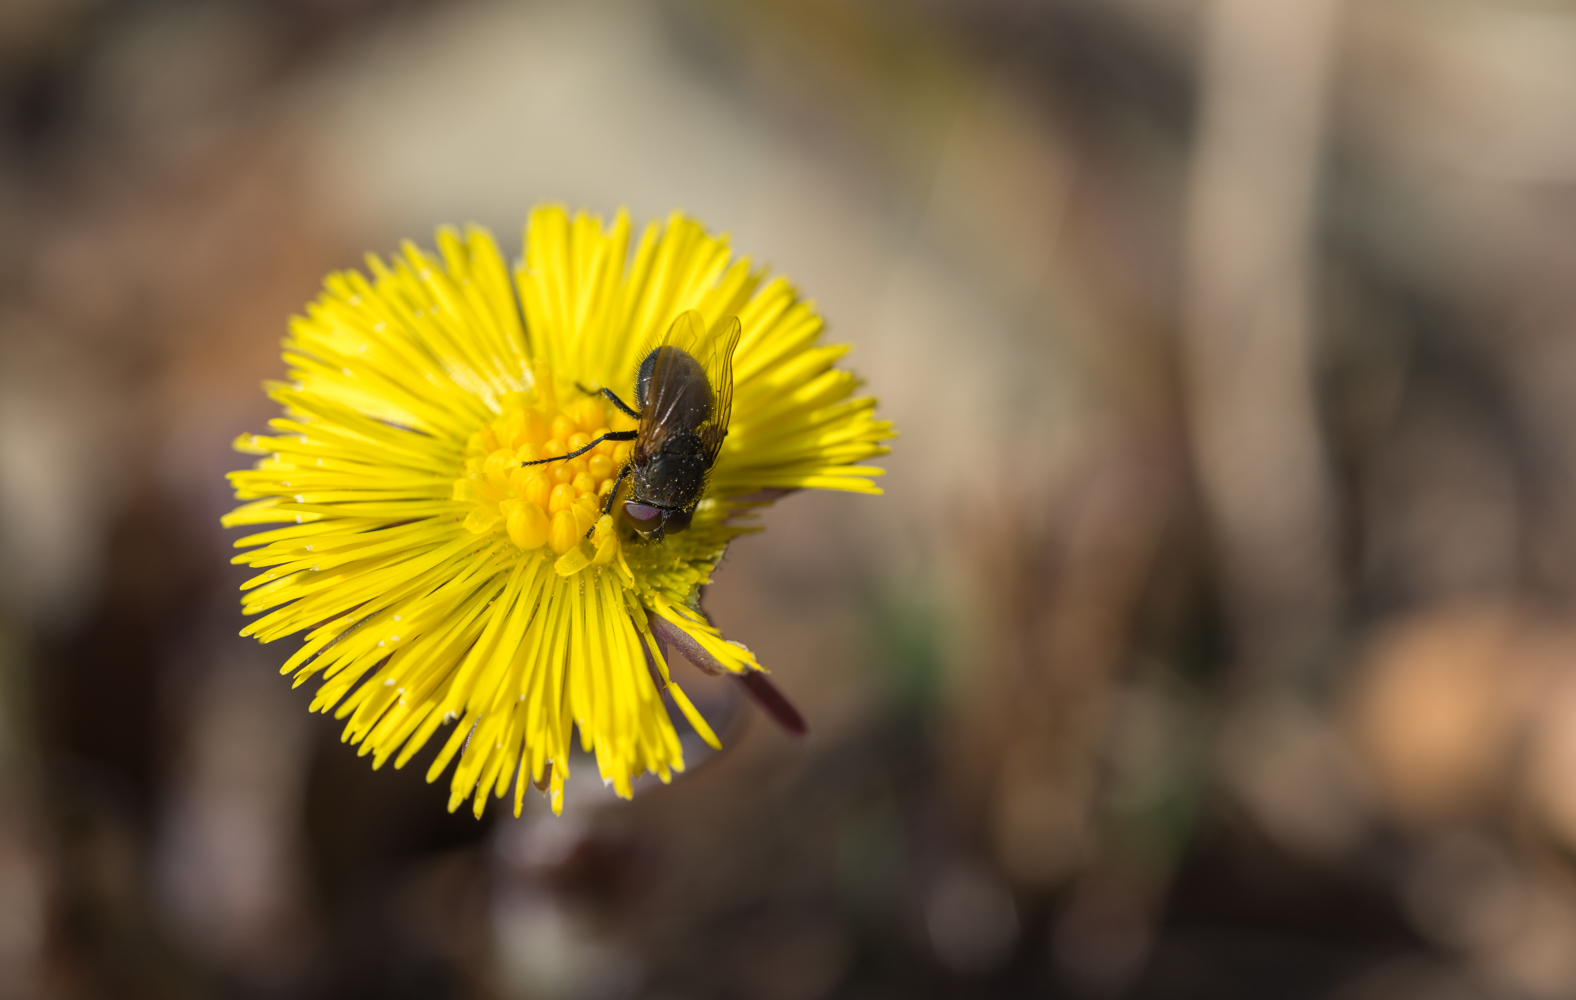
x: 440, y: 580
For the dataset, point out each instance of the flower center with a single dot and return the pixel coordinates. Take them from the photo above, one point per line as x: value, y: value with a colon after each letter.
x: 553, y: 504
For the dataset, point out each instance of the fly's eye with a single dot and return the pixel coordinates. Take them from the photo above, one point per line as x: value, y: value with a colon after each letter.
x: 677, y: 520
x: 642, y: 515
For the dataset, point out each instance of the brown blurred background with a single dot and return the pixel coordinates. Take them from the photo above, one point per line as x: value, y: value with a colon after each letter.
x: 1215, y: 636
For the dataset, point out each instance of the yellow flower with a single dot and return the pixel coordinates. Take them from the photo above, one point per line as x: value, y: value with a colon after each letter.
x: 440, y: 580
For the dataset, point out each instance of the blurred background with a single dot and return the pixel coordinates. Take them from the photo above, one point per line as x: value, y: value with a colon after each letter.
x: 1214, y: 638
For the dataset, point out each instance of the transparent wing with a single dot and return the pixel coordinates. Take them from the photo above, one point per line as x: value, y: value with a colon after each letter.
x: 690, y: 382
x: 719, y: 372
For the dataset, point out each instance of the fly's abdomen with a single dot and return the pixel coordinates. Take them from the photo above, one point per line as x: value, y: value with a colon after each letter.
x: 684, y: 393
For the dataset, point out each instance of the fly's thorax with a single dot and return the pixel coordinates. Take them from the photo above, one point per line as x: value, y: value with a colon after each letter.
x: 675, y: 474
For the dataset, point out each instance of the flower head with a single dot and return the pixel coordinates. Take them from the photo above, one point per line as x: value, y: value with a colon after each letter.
x: 450, y: 567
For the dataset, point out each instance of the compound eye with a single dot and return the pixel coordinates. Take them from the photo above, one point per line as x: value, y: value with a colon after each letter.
x: 644, y: 517
x: 677, y: 520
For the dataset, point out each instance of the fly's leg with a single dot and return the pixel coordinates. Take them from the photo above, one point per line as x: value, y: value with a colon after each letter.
x: 628, y: 410
x: 611, y: 396
x: 612, y: 494
x: 609, y: 436
x: 607, y: 508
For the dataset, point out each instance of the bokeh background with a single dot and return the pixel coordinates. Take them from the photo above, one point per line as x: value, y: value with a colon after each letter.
x: 1214, y: 638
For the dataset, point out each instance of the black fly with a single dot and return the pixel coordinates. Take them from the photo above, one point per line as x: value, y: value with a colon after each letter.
x: 684, y: 396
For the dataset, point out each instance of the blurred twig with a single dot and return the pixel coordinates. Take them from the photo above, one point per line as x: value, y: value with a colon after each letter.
x: 1248, y: 318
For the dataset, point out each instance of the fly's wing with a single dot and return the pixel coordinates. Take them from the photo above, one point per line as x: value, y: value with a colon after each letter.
x: 718, y: 363
x: 696, y: 377
x: 672, y: 385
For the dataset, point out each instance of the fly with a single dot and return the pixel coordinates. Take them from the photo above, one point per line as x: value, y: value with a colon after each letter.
x: 683, y: 399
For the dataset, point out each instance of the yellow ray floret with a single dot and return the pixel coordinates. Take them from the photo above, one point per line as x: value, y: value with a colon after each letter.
x: 437, y: 579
